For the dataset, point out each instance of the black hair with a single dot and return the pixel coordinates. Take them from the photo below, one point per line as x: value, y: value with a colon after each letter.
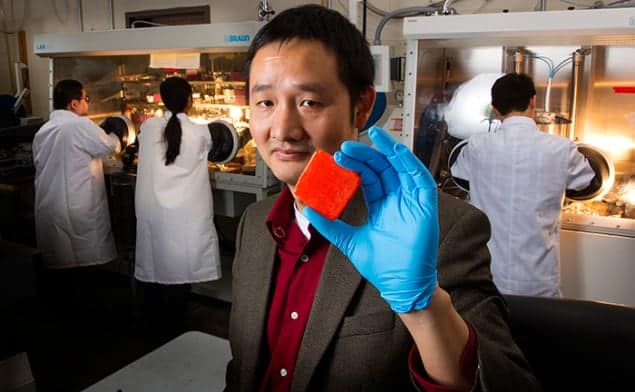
x: 355, y: 65
x: 512, y: 92
x: 176, y: 94
x: 65, y: 91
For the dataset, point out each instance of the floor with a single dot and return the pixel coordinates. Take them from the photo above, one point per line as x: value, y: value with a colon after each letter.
x: 71, y: 351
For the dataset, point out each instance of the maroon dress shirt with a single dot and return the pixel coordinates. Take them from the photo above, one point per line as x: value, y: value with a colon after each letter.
x: 297, y: 274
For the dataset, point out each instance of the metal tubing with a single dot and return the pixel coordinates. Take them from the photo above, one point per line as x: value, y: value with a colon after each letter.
x: 578, y: 59
x: 112, y: 14
x: 81, y: 15
x: 518, y: 61
x: 548, y: 95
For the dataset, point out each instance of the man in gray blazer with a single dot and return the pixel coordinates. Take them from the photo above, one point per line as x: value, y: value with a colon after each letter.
x: 397, y: 293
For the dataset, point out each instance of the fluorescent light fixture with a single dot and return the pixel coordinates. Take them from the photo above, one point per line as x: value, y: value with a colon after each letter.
x: 175, y: 60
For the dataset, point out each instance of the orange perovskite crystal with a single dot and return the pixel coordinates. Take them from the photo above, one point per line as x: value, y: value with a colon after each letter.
x: 325, y: 186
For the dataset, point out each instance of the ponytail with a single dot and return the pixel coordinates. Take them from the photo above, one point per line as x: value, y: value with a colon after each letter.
x: 176, y: 94
x: 172, y: 135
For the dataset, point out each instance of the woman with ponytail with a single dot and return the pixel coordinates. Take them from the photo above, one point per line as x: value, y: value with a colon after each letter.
x: 177, y: 242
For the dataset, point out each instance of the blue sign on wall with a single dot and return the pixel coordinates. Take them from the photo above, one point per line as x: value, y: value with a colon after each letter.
x: 237, y: 38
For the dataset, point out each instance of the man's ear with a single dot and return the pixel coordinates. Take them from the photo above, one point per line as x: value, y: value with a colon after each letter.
x: 497, y: 113
x: 364, y: 107
x: 532, y: 103
x: 72, y: 105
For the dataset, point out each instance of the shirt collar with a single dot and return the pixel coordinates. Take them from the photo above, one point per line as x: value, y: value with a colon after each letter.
x: 520, y: 120
x: 302, y: 222
x: 62, y: 113
x: 282, y: 215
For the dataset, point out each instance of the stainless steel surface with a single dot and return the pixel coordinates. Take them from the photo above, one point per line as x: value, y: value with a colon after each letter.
x: 604, y: 172
x: 578, y: 58
x: 590, y: 99
x: 610, y: 126
x: 597, y: 266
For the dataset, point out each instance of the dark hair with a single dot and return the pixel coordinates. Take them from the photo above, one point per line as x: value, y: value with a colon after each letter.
x: 65, y: 91
x: 176, y: 94
x: 512, y: 92
x: 355, y: 65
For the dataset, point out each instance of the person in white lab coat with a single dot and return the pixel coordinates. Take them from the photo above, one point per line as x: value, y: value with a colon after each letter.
x: 71, y: 208
x: 518, y: 176
x: 177, y: 243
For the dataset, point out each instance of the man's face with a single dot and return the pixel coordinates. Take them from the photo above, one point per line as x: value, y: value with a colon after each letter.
x: 298, y: 105
x: 79, y: 106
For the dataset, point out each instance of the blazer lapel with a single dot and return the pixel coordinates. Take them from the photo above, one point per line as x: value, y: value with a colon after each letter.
x: 261, y: 262
x: 338, y: 284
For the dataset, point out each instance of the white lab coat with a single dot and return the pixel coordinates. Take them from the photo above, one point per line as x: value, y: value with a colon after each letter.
x: 518, y: 176
x: 71, y: 207
x: 176, y: 237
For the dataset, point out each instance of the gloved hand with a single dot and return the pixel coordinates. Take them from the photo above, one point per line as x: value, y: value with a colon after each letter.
x: 117, y: 141
x: 116, y: 126
x: 396, y: 248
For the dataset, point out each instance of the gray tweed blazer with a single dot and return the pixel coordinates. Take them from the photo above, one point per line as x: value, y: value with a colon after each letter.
x: 353, y: 341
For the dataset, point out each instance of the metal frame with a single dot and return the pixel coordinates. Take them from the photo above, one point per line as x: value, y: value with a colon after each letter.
x: 209, y: 38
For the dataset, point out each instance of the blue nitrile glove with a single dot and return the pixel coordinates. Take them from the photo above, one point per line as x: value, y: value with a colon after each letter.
x: 396, y: 249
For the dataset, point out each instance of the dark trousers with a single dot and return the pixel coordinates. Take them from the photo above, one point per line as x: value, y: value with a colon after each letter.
x: 73, y: 292
x: 163, y: 308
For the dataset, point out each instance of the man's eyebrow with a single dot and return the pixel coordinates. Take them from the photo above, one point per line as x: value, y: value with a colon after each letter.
x: 260, y: 87
x: 317, y: 88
